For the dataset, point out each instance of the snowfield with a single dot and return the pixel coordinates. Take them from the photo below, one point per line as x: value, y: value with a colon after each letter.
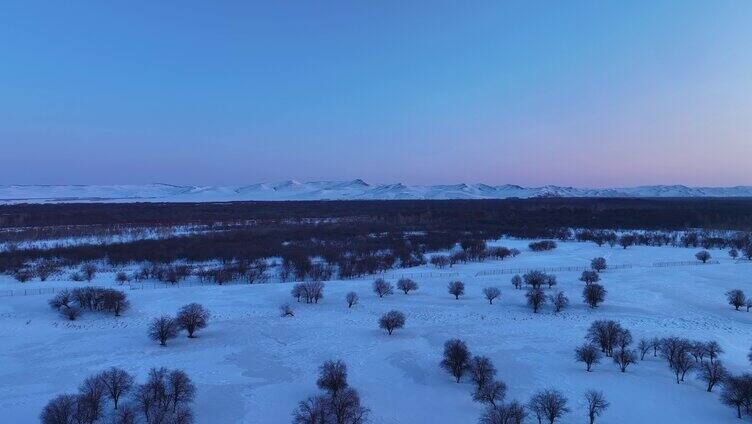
x: 252, y: 366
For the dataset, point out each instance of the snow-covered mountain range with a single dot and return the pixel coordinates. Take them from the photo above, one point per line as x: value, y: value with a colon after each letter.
x: 334, y: 190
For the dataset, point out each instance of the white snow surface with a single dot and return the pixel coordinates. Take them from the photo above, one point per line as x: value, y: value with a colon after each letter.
x: 252, y: 366
x: 335, y: 190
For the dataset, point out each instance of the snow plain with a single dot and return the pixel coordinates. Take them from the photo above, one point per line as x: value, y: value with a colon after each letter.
x: 252, y: 366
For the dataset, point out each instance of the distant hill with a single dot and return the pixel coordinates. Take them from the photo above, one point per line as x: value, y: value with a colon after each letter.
x: 336, y: 190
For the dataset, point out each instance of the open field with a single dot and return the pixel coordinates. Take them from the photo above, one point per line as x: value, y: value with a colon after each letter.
x: 252, y: 366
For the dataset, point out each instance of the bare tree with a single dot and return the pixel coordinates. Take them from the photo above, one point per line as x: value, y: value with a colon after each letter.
x: 607, y: 334
x: 588, y: 354
x: 407, y: 285
x: 736, y: 392
x: 345, y: 408
x: 117, y: 382
x: 456, y: 289
x: 712, y: 373
x: 382, y: 287
x: 589, y: 277
x: 46, y: 268
x: 314, y: 410
x: 332, y: 377
x: 596, y: 404
x: 593, y: 294
x: 60, y: 410
x: 180, y: 389
x: 456, y: 358
x: 560, y: 301
x: 598, y: 264
x: 535, y: 298
x: 90, y: 403
x: 126, y: 414
x: 491, y: 392
x: 352, y: 299
x: 163, y: 328
x: 535, y: 279
x: 681, y: 363
x: 510, y: 413
x: 644, y: 347
x: 481, y: 370
x: 655, y: 344
x: 122, y: 278
x: 713, y: 350
x: 624, y: 358
x: 285, y: 310
x: 313, y: 291
x: 192, y: 317
x: 440, y: 261
x: 115, y: 301
x: 391, y: 321
x: 549, y: 405
x: 71, y: 312
x: 491, y: 293
x: 736, y: 298
x: 62, y: 298
x: 89, y: 270
x: 703, y: 256
x: 517, y: 282
x: 298, y: 290
x: 23, y: 275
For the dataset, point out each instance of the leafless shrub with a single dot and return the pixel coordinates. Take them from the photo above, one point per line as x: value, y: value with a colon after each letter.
x: 285, y: 310
x: 382, y: 287
x: 456, y: 358
x: 407, y: 285
x: 456, y: 289
x: 192, y: 317
x: 162, y: 329
x: 352, y: 299
x: 491, y: 293
x: 391, y: 321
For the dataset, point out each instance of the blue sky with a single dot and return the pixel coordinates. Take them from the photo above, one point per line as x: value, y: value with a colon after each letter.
x: 573, y: 93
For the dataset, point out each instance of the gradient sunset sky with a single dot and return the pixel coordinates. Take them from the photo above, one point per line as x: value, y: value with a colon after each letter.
x: 596, y: 94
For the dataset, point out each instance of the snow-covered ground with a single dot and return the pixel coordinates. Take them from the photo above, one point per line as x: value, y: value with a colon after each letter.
x: 252, y: 366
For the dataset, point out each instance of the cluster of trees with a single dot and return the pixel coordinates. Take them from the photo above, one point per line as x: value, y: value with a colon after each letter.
x: 548, y: 405
x: 738, y: 299
x: 310, y: 291
x: 541, y: 246
x: 72, y: 303
x: 165, y: 397
x: 536, y: 297
x: 338, y: 403
x: 191, y: 318
x: 735, y: 241
x: 356, y: 238
x: 609, y: 338
x: 472, y: 250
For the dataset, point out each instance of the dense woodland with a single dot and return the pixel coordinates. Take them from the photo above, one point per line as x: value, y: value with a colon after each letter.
x: 361, y: 237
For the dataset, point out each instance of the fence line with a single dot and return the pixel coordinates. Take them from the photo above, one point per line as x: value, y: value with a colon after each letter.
x: 417, y: 275
x: 506, y: 271
x: 682, y: 263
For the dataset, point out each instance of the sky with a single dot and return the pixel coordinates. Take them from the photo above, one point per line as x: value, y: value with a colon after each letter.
x: 593, y: 94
